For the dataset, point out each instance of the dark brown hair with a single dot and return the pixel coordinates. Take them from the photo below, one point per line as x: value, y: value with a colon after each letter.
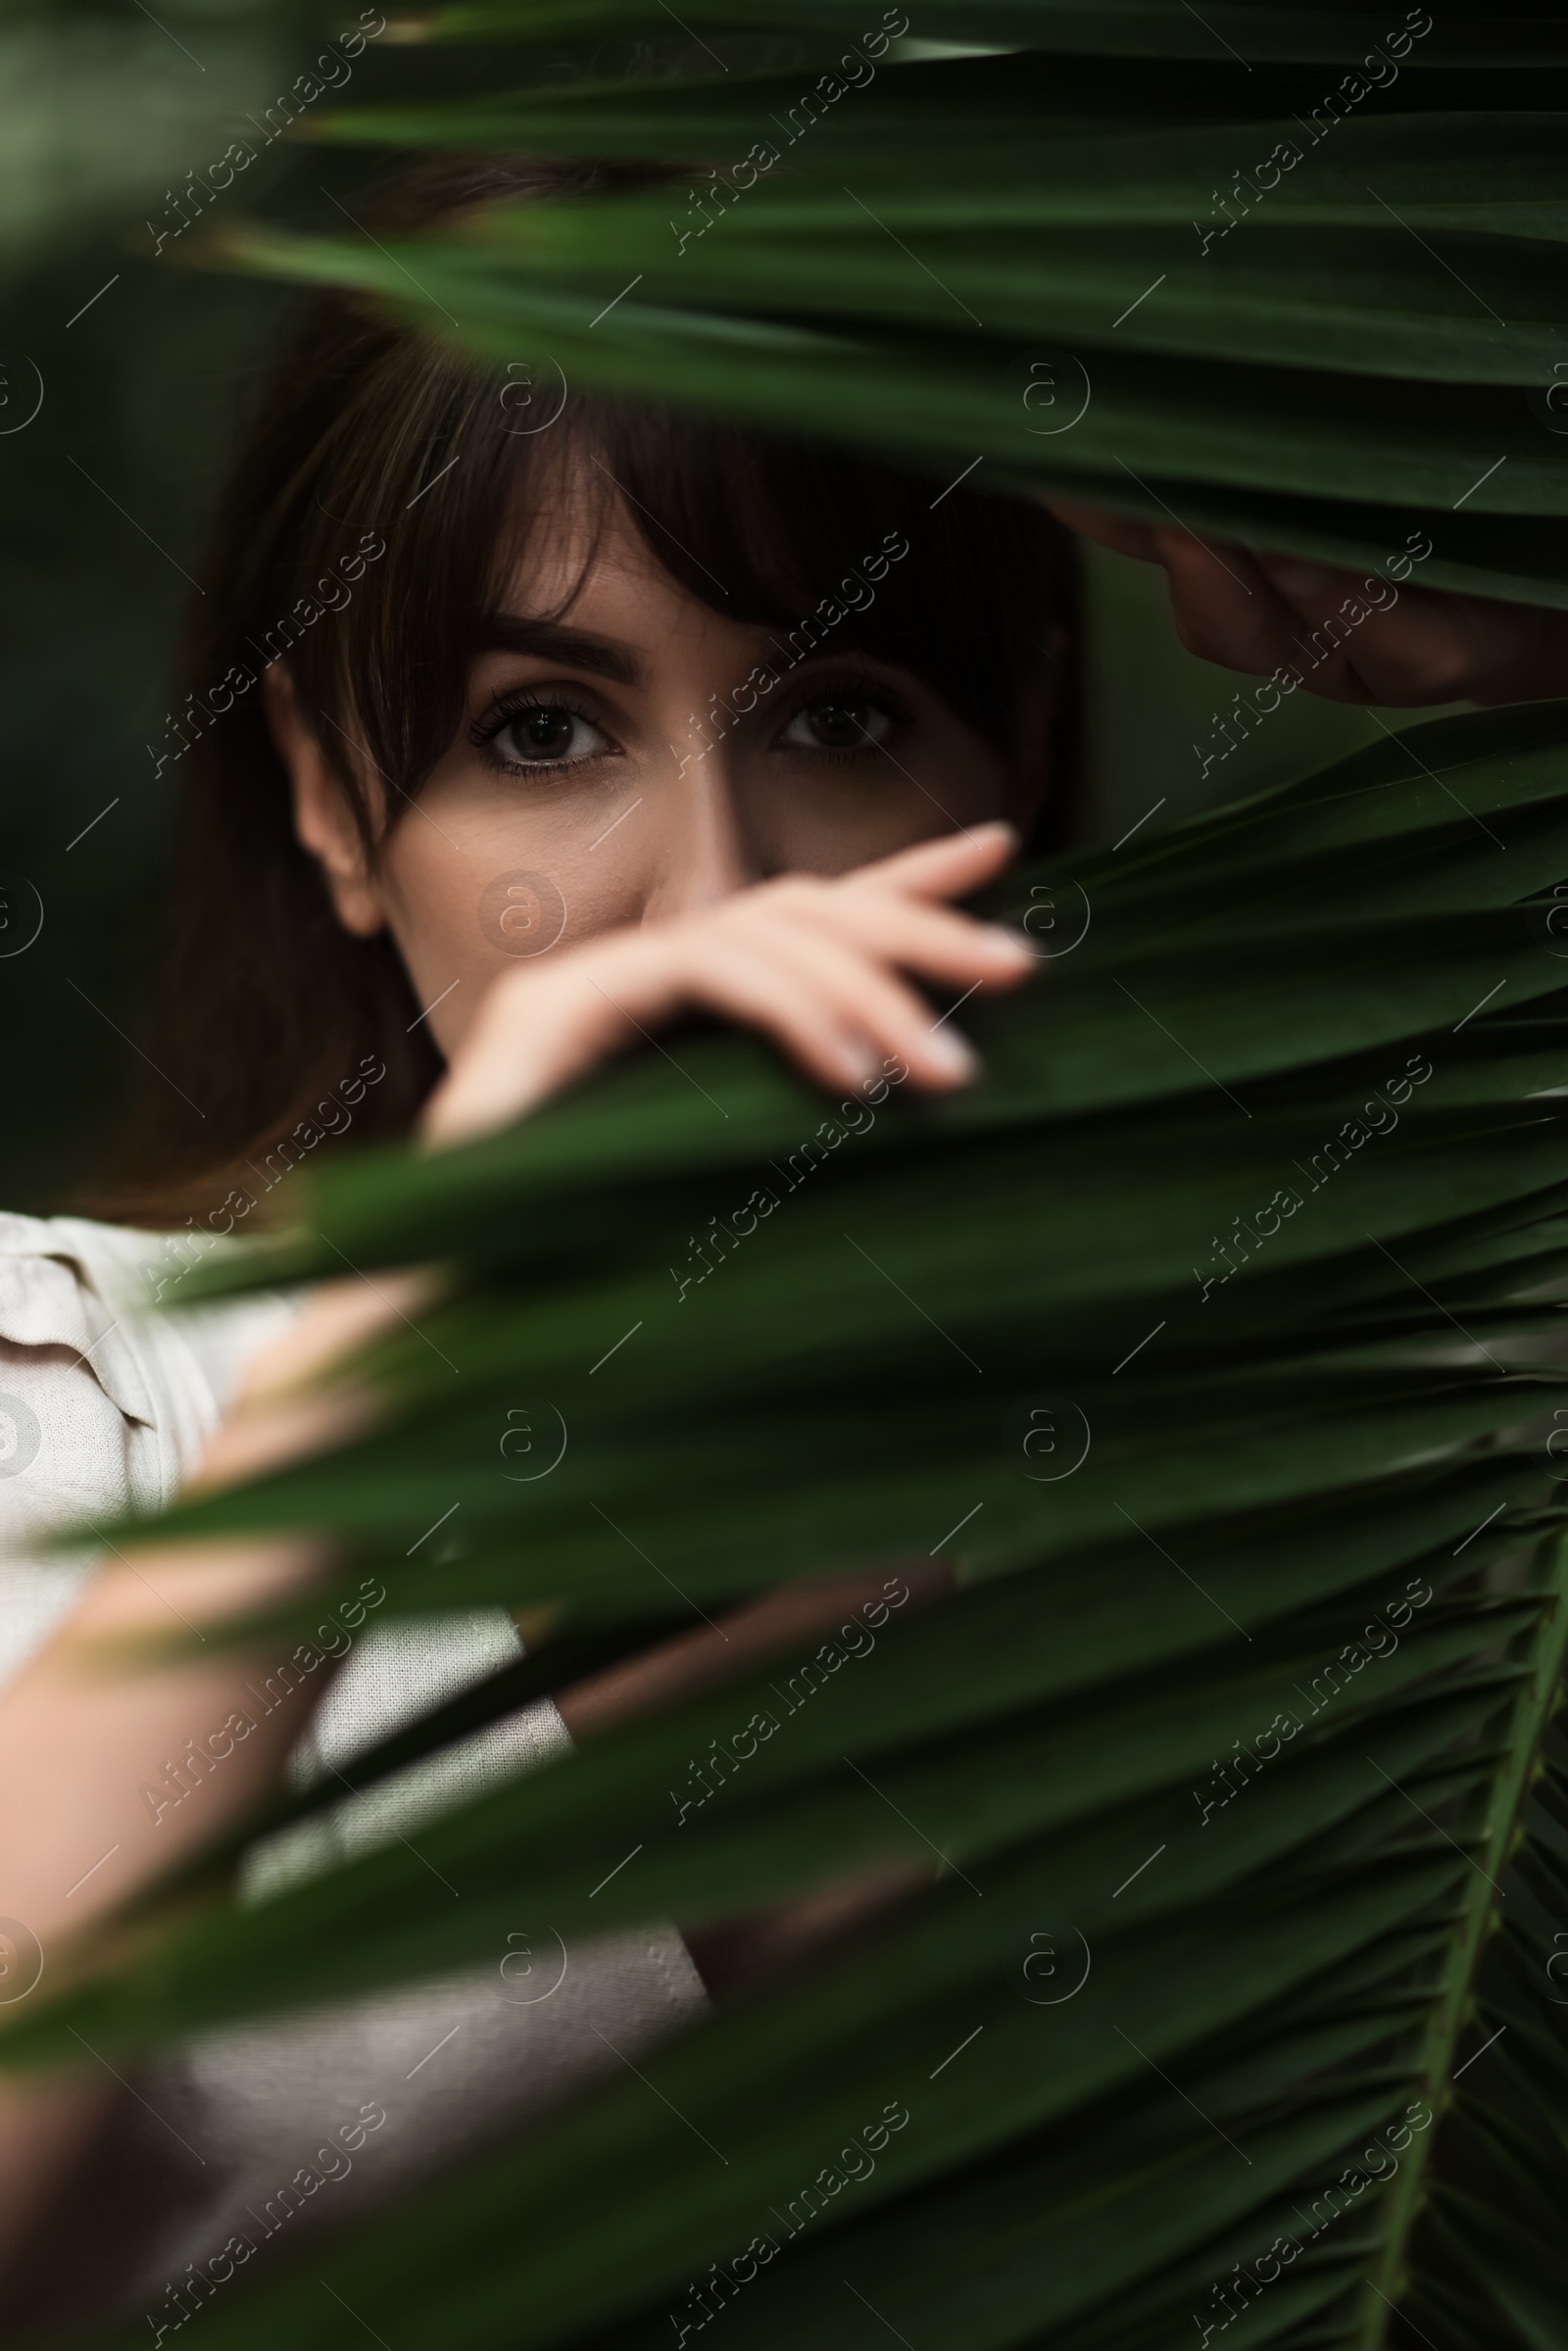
x: 374, y: 513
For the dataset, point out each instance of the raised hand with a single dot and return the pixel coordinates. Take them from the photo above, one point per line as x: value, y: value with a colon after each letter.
x: 1345, y: 635
x: 817, y: 965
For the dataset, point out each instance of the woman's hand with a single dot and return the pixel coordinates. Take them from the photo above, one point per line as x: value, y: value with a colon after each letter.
x: 1251, y: 612
x: 814, y: 963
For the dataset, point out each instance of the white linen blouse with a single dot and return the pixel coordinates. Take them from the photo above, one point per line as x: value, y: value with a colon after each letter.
x: 264, y: 2131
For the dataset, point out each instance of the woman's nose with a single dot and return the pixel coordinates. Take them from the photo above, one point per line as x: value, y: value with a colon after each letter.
x: 704, y: 854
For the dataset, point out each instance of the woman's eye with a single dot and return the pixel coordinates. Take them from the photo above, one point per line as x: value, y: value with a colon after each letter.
x: 549, y: 735
x: 839, y: 722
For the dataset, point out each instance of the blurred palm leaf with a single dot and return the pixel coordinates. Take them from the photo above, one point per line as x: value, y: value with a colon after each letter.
x: 1054, y: 248
x: 106, y: 110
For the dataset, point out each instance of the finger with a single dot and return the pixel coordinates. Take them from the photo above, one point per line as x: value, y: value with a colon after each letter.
x: 1417, y: 645
x: 537, y: 1031
x: 1225, y: 610
x: 1342, y: 646
x: 1116, y: 531
x: 831, y: 1038
x: 867, y: 1001
x: 541, y: 1031
x: 926, y: 939
x: 948, y: 866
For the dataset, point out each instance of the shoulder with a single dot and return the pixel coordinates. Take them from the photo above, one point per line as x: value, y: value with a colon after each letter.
x: 104, y: 1402
x: 55, y: 1316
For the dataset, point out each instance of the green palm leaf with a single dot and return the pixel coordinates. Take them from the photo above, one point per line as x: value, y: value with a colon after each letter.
x: 1284, y: 1952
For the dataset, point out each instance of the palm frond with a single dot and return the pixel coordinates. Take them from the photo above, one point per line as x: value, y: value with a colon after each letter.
x: 1168, y: 263
x: 1236, y: 1719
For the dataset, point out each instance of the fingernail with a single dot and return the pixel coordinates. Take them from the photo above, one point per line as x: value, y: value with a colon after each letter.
x: 1003, y: 934
x: 951, y: 1052
x: 1298, y: 578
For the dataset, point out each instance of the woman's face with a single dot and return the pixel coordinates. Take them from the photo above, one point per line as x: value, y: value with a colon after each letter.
x: 589, y: 785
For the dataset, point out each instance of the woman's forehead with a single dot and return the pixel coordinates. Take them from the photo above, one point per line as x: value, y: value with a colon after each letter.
x: 584, y: 562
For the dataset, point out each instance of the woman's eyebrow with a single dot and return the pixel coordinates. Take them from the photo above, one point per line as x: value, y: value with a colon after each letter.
x: 509, y: 632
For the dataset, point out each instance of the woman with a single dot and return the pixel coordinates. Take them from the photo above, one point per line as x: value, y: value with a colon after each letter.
x: 515, y: 733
